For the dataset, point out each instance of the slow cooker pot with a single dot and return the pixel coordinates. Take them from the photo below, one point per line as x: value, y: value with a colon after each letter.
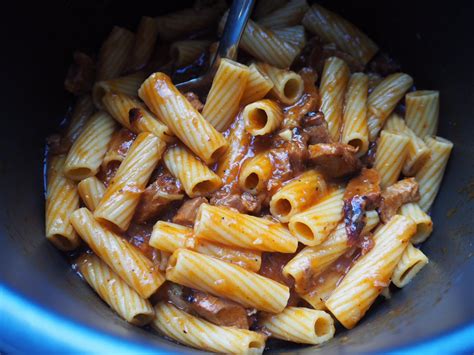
x: 45, y: 307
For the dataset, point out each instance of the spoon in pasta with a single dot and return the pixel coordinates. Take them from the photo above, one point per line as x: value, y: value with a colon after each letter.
x: 234, y: 27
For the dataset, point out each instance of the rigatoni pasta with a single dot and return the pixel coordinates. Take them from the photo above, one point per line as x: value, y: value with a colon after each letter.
x: 422, y: 112
x: 258, y: 85
x: 114, y: 291
x: 412, y: 261
x: 185, y: 52
x: 255, y: 173
x: 288, y: 15
x: 226, y: 280
x: 91, y: 191
x: 262, y: 117
x: 128, y: 85
x: 145, y: 40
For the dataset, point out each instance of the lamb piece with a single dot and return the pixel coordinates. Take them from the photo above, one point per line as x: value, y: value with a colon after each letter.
x: 362, y: 194
x: 368, y: 159
x: 384, y: 65
x: 296, y: 148
x: 335, y: 159
x: 218, y: 310
x: 396, y: 195
x: 186, y: 214
x: 272, y: 267
x: 316, y: 127
x: 158, y: 195
x: 244, y: 203
x: 194, y: 100
x: 80, y: 75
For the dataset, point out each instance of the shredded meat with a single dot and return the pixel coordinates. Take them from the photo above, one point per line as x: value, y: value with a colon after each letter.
x: 335, y: 159
x: 164, y: 190
x: 383, y: 64
x: 396, y: 195
x: 81, y: 74
x: 218, y: 310
x: 362, y: 194
x: 316, y: 127
x: 214, y: 309
x: 296, y: 148
x: 186, y: 214
x: 244, y: 203
x: 272, y: 267
x: 194, y: 100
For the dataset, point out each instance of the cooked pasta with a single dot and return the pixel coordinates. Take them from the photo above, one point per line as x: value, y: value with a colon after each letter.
x: 371, y: 273
x: 334, y: 29
x: 227, y: 88
x: 297, y: 195
x: 285, y: 191
x: 314, y: 225
x: 114, y: 53
x: 431, y: 174
x: 62, y: 199
x: 287, y: 87
x: 422, y: 112
x: 333, y: 88
x: 196, y: 178
x: 222, y: 225
x: 355, y: 131
x: 122, y: 196
x: 198, y: 333
x: 383, y: 99
x: 131, y: 265
x: 262, y: 117
x: 224, y: 279
x: 164, y: 100
x: 301, y: 325
x: 87, y: 152
x: 114, y: 291
x: 392, y: 152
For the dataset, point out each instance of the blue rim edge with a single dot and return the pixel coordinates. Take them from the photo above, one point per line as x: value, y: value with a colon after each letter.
x: 22, y: 317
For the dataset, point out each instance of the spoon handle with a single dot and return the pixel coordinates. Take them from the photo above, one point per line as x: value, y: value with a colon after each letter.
x: 239, y: 14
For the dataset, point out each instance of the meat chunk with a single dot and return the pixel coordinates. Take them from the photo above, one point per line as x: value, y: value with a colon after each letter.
x: 396, y: 195
x: 368, y: 159
x: 244, y: 203
x: 335, y: 159
x: 214, y: 309
x: 194, y: 100
x: 294, y: 146
x: 81, y: 73
x: 362, y: 194
x: 316, y: 127
x: 163, y: 191
x: 186, y: 214
x: 218, y: 310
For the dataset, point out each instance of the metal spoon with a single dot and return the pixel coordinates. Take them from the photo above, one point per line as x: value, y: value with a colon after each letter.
x: 234, y: 27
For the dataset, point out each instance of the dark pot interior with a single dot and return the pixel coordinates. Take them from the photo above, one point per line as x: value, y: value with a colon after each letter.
x: 45, y: 306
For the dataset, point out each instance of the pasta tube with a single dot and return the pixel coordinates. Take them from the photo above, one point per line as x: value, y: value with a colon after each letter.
x: 258, y: 85
x: 332, y: 28
x: 226, y: 280
x: 371, y: 273
x: 294, y: 35
x: 355, y: 131
x: 392, y: 151
x: 123, y: 194
x: 431, y: 174
x: 314, y: 225
x: 297, y: 195
x: 422, y: 112
x: 225, y: 226
x: 383, y: 99
x: 164, y: 100
x: 334, y: 81
x: 127, y: 85
x: 61, y: 200
x: 287, y: 87
x: 424, y: 224
x: 300, y: 325
x: 184, y: 53
x: 255, y: 173
x: 114, y: 291
x: 91, y: 191
x: 412, y: 261
x: 87, y: 152
x: 145, y: 40
x: 201, y: 334
x: 288, y: 15
x: 227, y: 88
x: 197, y: 179
x: 130, y: 264
x: 262, y: 117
